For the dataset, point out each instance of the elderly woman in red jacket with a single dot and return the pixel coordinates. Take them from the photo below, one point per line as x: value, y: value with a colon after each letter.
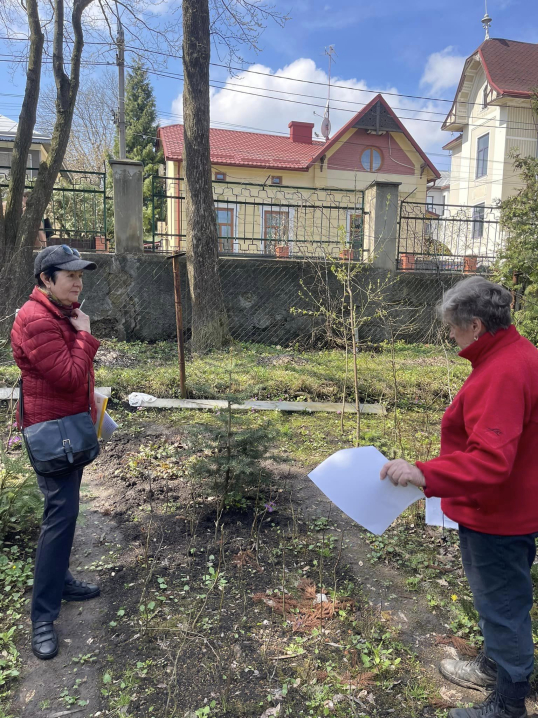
x: 54, y: 349
x: 487, y: 478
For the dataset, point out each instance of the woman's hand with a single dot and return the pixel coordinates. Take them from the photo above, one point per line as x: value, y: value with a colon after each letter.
x: 81, y: 321
x: 401, y: 473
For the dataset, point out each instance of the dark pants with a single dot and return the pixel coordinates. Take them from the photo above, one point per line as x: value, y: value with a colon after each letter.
x: 55, y: 543
x: 498, y: 571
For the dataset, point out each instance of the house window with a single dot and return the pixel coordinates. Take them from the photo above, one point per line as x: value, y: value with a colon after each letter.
x: 371, y: 159
x: 220, y: 176
x: 485, y: 97
x: 355, y: 229
x: 276, y: 225
x: 276, y: 179
x: 482, y: 151
x: 429, y: 203
x: 225, y: 228
x: 478, y: 220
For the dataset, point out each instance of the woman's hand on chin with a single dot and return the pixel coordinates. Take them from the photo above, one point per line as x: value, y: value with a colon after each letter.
x: 401, y: 473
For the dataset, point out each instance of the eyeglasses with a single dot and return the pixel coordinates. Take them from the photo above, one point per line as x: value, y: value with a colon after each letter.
x: 67, y: 250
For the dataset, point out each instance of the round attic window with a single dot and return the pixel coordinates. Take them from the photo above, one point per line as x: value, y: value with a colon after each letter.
x: 371, y: 159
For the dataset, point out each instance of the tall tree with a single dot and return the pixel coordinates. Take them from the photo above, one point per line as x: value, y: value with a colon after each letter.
x: 92, y: 130
x: 141, y: 130
x: 208, y: 311
x: 236, y: 23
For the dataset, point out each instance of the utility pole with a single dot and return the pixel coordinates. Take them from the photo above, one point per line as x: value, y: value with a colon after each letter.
x: 120, y: 62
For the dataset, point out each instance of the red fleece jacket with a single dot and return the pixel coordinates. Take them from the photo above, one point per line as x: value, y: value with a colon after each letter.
x: 487, y: 472
x: 54, y: 360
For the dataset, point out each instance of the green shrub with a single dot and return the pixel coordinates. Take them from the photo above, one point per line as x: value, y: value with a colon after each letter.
x: 20, y: 499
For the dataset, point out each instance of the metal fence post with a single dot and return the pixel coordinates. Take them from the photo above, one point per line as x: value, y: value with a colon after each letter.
x: 179, y: 324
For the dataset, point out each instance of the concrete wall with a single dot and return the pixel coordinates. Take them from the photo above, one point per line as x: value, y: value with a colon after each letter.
x: 131, y: 297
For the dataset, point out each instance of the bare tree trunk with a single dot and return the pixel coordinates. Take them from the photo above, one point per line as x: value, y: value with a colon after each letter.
x: 208, y: 313
x: 20, y: 230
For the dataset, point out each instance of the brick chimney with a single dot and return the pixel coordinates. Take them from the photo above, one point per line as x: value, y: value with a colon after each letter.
x: 301, y: 132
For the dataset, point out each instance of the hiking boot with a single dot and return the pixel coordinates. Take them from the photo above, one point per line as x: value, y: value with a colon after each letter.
x: 479, y: 674
x: 80, y: 591
x: 495, y: 706
x: 44, y: 640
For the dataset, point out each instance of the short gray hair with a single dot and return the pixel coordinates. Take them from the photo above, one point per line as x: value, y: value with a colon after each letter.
x: 476, y: 297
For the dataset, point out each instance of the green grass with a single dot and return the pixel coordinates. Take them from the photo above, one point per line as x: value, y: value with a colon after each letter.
x: 423, y: 373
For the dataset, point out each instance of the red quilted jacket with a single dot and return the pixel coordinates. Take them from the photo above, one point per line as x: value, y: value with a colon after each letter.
x: 54, y: 360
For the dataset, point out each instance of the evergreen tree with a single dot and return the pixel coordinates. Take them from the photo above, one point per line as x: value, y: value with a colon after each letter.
x: 141, y: 131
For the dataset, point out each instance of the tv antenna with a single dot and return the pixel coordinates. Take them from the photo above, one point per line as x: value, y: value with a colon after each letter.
x: 326, y: 123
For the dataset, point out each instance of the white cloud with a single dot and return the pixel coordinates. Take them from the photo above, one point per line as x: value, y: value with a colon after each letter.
x: 443, y: 70
x: 246, y: 109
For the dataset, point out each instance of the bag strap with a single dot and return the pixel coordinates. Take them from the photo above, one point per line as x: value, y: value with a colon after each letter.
x: 89, y: 394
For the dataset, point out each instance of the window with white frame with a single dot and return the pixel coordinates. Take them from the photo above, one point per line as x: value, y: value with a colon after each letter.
x: 276, y: 227
x: 354, y: 229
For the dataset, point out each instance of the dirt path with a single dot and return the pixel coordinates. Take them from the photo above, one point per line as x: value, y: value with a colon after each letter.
x: 49, y: 688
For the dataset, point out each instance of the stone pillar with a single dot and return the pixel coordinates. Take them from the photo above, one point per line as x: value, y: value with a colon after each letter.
x: 381, y: 202
x: 128, y: 229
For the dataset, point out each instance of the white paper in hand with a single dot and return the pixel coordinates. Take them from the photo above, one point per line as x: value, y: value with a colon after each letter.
x: 350, y: 479
x: 435, y: 515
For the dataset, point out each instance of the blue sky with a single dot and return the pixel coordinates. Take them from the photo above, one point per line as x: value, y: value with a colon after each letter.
x: 413, y: 47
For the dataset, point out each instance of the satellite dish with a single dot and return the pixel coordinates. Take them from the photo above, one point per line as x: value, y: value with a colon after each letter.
x: 326, y: 128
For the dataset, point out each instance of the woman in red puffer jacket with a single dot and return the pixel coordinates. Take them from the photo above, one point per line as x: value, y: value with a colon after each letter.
x: 54, y: 349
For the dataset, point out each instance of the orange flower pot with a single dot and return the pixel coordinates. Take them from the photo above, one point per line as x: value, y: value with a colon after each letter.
x: 282, y: 251
x: 407, y: 262
x: 469, y: 265
x: 347, y: 254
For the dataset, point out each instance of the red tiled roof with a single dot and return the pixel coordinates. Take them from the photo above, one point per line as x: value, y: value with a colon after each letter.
x: 250, y: 149
x: 511, y: 67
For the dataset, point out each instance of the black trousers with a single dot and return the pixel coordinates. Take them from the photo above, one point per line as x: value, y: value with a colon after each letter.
x: 62, y: 496
x: 498, y: 569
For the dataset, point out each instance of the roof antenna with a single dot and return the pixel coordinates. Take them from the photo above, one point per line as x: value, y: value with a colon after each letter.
x: 486, y: 21
x: 326, y: 124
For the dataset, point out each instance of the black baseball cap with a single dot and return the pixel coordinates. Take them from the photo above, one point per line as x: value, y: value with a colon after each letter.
x: 62, y: 257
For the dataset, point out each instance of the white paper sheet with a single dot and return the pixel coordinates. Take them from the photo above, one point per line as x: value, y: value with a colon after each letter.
x: 108, y: 427
x: 435, y: 515
x: 350, y: 479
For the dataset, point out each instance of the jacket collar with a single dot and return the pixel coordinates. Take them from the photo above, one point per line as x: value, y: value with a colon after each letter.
x: 38, y: 296
x: 488, y: 344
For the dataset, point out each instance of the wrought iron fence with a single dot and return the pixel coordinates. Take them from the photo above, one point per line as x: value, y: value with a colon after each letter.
x: 78, y: 213
x: 265, y: 220
x: 457, y: 239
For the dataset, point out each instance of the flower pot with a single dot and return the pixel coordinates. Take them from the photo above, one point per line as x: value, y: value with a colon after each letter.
x: 407, y: 262
x: 347, y: 254
x: 470, y: 264
x: 282, y: 251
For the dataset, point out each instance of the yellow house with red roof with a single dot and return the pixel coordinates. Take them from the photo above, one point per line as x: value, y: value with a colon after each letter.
x: 292, y: 195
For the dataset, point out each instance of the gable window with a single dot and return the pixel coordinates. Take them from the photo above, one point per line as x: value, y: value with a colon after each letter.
x: 220, y: 176
x: 478, y: 220
x: 276, y: 179
x: 482, y: 151
x: 371, y: 159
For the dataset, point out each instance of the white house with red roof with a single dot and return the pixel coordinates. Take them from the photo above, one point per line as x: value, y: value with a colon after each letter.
x: 490, y: 118
x: 294, y: 195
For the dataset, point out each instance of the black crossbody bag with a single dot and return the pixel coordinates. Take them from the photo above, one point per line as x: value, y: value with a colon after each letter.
x: 60, y: 446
